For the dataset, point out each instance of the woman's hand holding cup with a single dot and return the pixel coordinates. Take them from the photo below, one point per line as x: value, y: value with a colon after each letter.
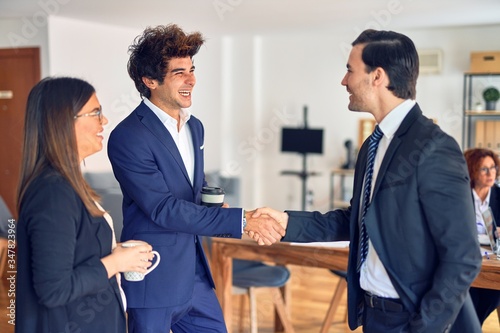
x: 142, y: 254
x: 137, y: 255
x: 134, y: 256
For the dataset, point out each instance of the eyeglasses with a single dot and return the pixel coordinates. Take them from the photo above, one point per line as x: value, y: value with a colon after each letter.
x: 486, y: 170
x: 97, y: 113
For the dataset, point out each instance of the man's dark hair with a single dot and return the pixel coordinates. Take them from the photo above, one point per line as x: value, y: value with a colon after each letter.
x: 396, y: 54
x: 152, y: 51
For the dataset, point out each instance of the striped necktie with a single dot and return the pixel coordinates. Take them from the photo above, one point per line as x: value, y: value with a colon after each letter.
x: 372, y: 151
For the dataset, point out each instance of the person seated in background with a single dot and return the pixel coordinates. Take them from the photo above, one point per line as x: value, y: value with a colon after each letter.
x: 483, y: 170
x: 68, y: 261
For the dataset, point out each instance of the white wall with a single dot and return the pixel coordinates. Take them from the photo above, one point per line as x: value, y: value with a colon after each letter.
x: 298, y: 70
x: 99, y: 53
x: 307, y: 69
x: 250, y: 86
x: 96, y: 53
x: 441, y: 96
x: 26, y: 32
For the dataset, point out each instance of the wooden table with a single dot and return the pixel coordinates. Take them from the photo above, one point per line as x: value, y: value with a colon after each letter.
x: 224, y: 250
x: 489, y: 276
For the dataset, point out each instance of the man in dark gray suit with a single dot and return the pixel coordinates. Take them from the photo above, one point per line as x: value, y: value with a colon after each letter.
x: 411, y: 225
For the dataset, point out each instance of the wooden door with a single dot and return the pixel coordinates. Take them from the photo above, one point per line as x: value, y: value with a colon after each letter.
x: 19, y: 72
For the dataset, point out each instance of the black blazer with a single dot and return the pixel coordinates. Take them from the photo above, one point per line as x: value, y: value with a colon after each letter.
x: 421, y: 222
x: 62, y: 286
x: 495, y: 203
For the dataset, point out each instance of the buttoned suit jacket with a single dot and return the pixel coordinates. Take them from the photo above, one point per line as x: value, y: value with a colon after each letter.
x: 162, y: 207
x: 420, y: 221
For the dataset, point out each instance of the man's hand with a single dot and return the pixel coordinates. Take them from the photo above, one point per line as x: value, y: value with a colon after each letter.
x: 263, y: 229
x: 280, y: 217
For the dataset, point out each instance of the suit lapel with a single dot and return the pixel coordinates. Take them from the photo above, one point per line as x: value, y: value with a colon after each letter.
x: 101, y: 231
x: 359, y: 175
x: 410, y: 118
x: 151, y: 122
x: 362, y: 156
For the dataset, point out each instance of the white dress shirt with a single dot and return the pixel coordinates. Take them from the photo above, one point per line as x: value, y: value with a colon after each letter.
x: 109, y: 220
x: 373, y: 276
x: 480, y: 206
x: 182, y: 137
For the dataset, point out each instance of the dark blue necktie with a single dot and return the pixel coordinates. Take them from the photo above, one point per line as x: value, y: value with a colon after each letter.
x: 372, y: 151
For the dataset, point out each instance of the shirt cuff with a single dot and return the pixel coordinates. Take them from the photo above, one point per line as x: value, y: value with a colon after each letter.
x: 243, y: 221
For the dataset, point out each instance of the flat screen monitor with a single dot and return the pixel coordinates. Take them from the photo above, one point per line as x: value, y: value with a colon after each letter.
x: 302, y: 140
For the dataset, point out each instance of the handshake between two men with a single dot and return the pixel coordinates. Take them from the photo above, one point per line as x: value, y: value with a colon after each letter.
x: 265, y: 225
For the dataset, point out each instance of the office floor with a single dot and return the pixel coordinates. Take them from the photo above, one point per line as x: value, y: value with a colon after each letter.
x: 312, y: 289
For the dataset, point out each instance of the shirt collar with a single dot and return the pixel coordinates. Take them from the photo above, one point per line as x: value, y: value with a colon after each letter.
x: 390, y: 124
x: 165, y: 118
x: 478, y: 199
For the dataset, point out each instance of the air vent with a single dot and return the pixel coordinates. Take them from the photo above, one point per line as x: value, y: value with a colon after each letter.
x: 430, y: 61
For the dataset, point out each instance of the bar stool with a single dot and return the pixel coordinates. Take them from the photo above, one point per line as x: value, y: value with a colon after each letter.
x: 248, y: 276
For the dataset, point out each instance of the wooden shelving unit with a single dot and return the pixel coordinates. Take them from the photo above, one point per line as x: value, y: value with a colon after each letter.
x: 480, y: 128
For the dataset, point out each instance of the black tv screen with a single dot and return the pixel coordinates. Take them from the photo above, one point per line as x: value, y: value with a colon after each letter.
x: 302, y: 140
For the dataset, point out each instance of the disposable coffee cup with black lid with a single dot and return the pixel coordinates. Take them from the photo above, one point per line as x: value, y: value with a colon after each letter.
x: 212, y: 196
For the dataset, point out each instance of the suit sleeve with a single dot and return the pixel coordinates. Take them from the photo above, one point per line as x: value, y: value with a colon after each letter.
x: 316, y: 227
x: 444, y: 193
x: 152, y: 179
x: 53, y: 214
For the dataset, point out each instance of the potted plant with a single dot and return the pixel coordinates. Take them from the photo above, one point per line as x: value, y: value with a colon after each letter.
x: 491, y: 96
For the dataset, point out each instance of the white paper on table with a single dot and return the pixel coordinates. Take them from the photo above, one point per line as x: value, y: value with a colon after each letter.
x: 486, y: 251
x: 483, y: 239
x: 339, y: 244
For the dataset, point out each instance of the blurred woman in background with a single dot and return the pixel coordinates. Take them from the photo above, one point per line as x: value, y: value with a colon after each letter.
x: 483, y: 170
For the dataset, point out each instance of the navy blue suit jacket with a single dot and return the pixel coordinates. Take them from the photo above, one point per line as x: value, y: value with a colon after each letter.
x: 162, y: 207
x: 421, y: 222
